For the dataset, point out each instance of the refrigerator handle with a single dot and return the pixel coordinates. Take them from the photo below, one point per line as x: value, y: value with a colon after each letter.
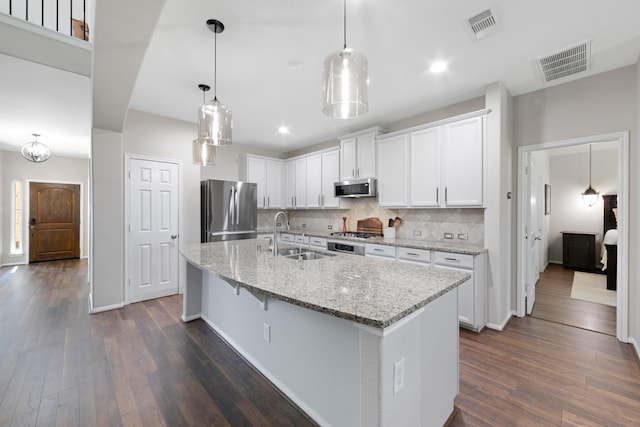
x: 235, y: 201
x: 232, y: 206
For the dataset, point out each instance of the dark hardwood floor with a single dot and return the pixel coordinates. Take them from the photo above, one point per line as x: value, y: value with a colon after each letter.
x: 141, y: 366
x: 554, y: 303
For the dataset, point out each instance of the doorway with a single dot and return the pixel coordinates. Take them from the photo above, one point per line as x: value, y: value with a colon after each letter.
x: 152, y: 209
x: 621, y: 140
x: 54, y: 221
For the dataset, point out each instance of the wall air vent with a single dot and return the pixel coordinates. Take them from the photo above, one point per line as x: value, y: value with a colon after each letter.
x: 566, y: 62
x: 482, y: 24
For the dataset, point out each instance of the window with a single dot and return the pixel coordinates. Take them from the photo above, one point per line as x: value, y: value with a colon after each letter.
x: 17, y: 207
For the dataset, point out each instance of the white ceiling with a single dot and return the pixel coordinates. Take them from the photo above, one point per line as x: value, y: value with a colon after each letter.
x: 400, y: 39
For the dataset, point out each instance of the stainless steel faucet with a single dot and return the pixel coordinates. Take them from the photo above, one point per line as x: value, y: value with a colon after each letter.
x: 275, y: 229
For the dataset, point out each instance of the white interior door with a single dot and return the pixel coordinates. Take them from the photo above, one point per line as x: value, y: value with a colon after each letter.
x: 153, y: 229
x: 533, y: 234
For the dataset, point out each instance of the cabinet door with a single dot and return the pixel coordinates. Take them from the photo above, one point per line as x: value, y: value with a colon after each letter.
x: 424, y: 181
x: 465, y: 298
x: 256, y: 172
x: 290, y: 183
x: 393, y: 171
x: 300, y: 198
x: 274, y: 174
x: 348, y: 158
x: 463, y: 157
x: 366, y: 155
x: 314, y: 181
x: 330, y: 174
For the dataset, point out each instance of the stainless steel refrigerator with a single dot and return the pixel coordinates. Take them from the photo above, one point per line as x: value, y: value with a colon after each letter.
x: 229, y: 210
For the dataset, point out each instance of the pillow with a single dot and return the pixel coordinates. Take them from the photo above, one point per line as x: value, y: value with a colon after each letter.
x: 615, y: 213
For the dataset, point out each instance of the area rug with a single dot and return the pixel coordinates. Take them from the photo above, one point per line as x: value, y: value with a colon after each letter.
x: 593, y: 288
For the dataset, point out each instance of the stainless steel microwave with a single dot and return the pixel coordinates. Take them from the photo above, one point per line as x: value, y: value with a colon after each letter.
x: 355, y: 188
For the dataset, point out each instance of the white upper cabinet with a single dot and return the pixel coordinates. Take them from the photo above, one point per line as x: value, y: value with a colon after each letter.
x: 309, y: 180
x: 424, y: 166
x: 268, y: 174
x: 314, y: 181
x: 463, y: 163
x: 358, y: 155
x: 444, y: 167
x: 393, y: 171
x: 300, y: 198
x: 330, y: 174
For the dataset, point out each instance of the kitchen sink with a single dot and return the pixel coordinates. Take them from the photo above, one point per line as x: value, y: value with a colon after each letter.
x: 289, y: 251
x: 308, y: 255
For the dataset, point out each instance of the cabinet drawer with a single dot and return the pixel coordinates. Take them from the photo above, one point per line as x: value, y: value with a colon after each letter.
x: 301, y: 239
x: 417, y: 255
x: 286, y: 237
x: 453, y: 260
x: 380, y: 250
x: 318, y: 242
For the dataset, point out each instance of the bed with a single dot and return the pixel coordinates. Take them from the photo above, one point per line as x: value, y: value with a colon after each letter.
x: 610, y: 240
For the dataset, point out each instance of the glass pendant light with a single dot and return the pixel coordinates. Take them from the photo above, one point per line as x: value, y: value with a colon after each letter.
x: 590, y: 196
x: 204, y: 153
x: 35, y: 151
x: 345, y: 81
x: 214, y: 118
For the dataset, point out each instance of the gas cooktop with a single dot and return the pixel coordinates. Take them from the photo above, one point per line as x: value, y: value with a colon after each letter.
x: 357, y: 234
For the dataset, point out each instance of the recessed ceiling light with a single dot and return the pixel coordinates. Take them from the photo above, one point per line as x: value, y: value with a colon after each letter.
x: 295, y: 65
x: 438, y: 67
x: 283, y: 130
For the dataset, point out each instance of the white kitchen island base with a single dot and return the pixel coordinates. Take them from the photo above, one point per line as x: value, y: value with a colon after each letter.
x: 341, y: 373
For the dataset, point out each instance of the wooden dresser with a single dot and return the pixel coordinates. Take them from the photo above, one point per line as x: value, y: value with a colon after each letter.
x: 579, y: 250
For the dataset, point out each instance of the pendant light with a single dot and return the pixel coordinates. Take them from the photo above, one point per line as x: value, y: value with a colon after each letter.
x: 345, y: 81
x: 35, y: 151
x: 214, y: 118
x: 204, y: 153
x: 590, y: 196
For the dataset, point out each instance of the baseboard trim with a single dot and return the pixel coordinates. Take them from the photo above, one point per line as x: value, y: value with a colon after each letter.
x: 13, y: 264
x: 107, y: 308
x: 501, y: 326
x: 555, y: 262
x: 636, y: 347
x: 190, y: 318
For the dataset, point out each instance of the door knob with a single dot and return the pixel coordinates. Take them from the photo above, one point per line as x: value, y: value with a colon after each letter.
x: 174, y: 236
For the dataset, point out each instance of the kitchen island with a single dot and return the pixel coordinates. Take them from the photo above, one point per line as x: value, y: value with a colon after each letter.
x: 353, y: 341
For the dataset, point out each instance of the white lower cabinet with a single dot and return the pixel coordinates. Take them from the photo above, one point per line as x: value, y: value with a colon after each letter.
x: 414, y: 256
x: 380, y: 251
x: 472, y: 293
x: 318, y: 242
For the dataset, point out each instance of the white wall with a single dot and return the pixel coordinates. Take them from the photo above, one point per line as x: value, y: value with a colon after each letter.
x: 2, y: 204
x: 569, y: 178
x: 56, y: 169
x: 595, y: 105
x: 498, y: 214
x: 107, y: 213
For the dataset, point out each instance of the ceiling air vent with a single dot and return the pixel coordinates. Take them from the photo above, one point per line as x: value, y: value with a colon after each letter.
x: 566, y: 62
x: 482, y: 24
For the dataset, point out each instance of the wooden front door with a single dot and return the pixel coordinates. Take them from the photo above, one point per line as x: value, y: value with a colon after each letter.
x: 54, y: 221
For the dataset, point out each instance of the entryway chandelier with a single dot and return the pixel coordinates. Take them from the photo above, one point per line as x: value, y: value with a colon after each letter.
x: 35, y: 151
x: 345, y: 81
x: 214, y: 120
x: 590, y: 196
x: 204, y: 153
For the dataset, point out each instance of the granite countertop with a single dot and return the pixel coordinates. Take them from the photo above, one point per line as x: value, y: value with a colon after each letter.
x: 365, y: 290
x: 453, y: 247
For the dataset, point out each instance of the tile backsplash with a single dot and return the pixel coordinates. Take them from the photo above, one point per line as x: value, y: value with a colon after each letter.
x: 430, y: 224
